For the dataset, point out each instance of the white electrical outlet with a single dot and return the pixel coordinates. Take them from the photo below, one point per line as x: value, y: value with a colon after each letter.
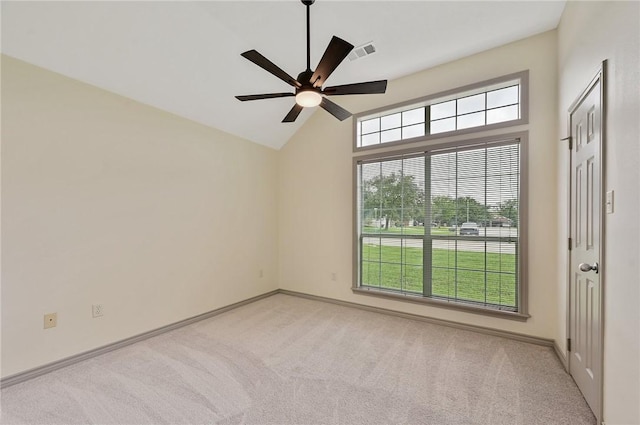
x: 334, y: 276
x: 261, y: 273
x: 97, y: 310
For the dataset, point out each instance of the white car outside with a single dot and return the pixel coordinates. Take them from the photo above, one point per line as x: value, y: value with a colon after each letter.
x: 469, y: 229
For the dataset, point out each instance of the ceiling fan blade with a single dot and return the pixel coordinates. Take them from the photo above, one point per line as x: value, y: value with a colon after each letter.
x: 335, y: 109
x: 293, y: 113
x: 370, y: 87
x: 269, y: 66
x: 337, y: 50
x: 263, y: 96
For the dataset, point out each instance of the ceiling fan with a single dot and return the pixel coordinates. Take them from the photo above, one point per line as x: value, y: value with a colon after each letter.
x: 308, y: 85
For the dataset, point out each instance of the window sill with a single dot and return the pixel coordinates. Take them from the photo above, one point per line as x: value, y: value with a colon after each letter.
x: 503, y: 314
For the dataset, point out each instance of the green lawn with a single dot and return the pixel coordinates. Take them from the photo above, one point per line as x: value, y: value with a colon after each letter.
x: 402, y: 269
x: 409, y: 230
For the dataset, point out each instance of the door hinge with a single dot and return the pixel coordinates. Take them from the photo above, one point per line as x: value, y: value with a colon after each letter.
x: 569, y: 244
x: 568, y: 344
x: 570, y: 140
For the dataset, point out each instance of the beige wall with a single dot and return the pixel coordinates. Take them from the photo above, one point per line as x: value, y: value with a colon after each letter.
x: 316, y: 186
x: 590, y: 32
x: 109, y: 201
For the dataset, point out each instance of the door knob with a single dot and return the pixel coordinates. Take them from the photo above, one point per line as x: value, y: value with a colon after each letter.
x: 584, y: 267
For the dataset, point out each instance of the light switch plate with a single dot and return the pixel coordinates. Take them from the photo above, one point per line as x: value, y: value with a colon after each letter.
x: 609, y: 202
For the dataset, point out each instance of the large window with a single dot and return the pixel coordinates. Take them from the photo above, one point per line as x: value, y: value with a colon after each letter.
x: 489, y: 104
x: 443, y: 224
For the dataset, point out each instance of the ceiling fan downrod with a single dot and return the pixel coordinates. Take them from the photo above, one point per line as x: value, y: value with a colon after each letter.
x: 308, y: 95
x: 308, y: 3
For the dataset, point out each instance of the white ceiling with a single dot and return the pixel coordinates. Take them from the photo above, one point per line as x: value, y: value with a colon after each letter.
x: 184, y: 57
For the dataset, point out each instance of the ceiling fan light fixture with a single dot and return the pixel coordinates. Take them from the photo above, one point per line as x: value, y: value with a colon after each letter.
x: 308, y: 98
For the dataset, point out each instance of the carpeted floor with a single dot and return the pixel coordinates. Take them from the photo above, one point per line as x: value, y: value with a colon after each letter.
x: 286, y: 360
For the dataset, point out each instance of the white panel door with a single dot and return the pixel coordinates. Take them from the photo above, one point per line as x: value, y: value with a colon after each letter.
x: 585, y: 313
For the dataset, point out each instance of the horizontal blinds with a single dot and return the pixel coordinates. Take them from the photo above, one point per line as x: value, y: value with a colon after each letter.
x: 443, y: 224
x: 393, y: 203
x: 475, y: 195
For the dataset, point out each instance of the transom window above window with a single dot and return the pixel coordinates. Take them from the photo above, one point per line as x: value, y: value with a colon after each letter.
x: 495, y: 103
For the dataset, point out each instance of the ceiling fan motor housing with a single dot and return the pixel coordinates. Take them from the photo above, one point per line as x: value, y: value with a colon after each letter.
x: 304, y: 78
x: 307, y: 95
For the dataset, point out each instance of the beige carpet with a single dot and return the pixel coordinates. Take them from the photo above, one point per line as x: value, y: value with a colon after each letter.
x: 286, y: 360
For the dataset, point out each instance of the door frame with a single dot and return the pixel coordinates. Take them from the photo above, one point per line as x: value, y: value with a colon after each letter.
x: 600, y: 76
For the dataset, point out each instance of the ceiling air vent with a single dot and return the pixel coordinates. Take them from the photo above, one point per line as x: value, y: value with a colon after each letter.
x: 362, y: 51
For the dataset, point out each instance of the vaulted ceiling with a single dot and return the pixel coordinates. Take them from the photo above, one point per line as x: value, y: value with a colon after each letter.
x: 184, y: 57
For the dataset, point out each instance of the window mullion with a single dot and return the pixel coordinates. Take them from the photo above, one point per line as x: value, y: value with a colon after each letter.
x: 427, y: 245
x: 380, y: 239
x: 402, y: 240
x: 455, y: 274
x: 427, y: 120
x: 517, y: 243
x: 360, y: 223
x: 486, y: 203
